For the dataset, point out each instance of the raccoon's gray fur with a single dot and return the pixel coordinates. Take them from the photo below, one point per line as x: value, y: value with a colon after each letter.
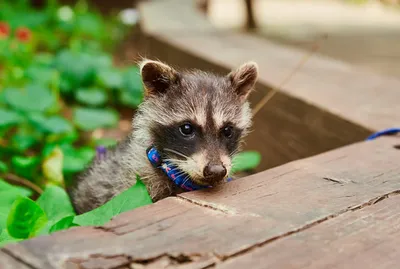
x: 195, y: 119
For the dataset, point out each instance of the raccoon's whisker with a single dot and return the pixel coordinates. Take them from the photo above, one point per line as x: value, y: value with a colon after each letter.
x: 176, y: 169
x: 180, y: 173
x: 177, y: 153
x: 186, y: 180
x: 175, y: 161
x: 233, y: 153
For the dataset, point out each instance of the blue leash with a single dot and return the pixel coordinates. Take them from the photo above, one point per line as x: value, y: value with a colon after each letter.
x: 390, y: 131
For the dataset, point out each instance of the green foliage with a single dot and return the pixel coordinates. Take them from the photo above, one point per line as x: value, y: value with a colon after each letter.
x: 58, y: 83
x: 51, y: 60
x: 9, y: 117
x: 63, y: 224
x: 55, y: 203
x: 8, y: 194
x: 133, y: 197
x: 50, y: 125
x: 88, y: 119
x: 24, y: 99
x: 91, y: 97
x: 245, y: 161
x: 23, y: 218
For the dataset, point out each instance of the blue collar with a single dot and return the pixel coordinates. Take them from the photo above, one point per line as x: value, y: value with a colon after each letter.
x: 172, y: 171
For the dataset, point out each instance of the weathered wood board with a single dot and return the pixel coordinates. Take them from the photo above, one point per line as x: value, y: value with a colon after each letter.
x: 338, y: 209
x: 325, y: 105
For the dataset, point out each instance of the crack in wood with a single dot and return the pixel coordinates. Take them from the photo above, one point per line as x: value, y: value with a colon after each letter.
x: 10, y: 254
x: 339, y: 181
x: 217, y: 207
x: 312, y: 224
x: 96, y: 260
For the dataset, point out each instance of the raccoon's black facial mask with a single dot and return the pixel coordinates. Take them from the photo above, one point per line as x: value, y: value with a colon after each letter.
x: 199, y: 118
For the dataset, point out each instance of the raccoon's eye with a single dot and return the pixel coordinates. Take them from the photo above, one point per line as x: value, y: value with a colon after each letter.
x: 186, y: 129
x: 227, y: 131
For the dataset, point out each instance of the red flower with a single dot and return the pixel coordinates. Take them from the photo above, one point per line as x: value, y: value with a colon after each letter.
x: 23, y: 34
x: 4, y: 29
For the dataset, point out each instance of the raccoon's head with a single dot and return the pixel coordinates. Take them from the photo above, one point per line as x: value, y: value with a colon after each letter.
x: 195, y: 119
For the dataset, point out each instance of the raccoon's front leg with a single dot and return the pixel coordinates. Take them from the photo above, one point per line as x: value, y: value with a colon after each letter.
x: 106, y: 177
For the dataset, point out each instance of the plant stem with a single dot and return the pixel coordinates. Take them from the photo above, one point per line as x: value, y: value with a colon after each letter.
x: 22, y: 181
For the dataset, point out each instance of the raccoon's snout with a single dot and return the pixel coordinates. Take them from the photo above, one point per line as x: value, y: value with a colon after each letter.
x: 214, y: 172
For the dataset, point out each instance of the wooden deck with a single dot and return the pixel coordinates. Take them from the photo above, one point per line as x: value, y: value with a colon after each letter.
x: 339, y: 209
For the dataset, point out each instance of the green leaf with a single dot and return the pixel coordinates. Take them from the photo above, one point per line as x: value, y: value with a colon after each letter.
x: 132, y: 79
x: 132, y: 89
x: 8, y: 194
x: 3, y: 168
x: 106, y: 142
x: 6, y: 188
x: 89, y: 24
x: 246, y: 160
x: 63, y: 224
x: 22, y: 141
x: 25, y: 219
x: 52, y: 167
x: 53, y: 124
x: 56, y: 203
x: 32, y: 98
x: 134, y: 197
x: 129, y: 99
x: 40, y: 74
x: 25, y: 166
x: 65, y: 138
x: 110, y: 78
x: 89, y: 119
x: 9, y: 117
x: 5, y: 238
x: 44, y: 59
x: 76, y: 160
x: 91, y: 97
x: 76, y: 68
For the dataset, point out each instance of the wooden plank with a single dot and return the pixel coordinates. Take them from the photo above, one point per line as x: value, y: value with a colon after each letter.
x: 314, y: 112
x: 34, y: 253
x: 201, y: 229
x: 367, y: 238
x: 8, y: 262
x: 352, y: 175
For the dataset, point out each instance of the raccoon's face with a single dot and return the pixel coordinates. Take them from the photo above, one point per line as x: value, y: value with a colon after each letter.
x: 197, y: 120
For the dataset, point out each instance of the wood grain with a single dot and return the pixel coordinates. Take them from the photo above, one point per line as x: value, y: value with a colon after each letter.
x: 334, y: 181
x: 8, y: 262
x: 205, y: 228
x: 367, y: 239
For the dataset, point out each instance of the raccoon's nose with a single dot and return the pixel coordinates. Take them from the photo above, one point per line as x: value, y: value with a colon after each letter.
x: 214, y: 171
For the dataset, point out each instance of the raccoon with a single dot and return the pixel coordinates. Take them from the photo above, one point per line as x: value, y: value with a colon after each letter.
x: 189, y: 127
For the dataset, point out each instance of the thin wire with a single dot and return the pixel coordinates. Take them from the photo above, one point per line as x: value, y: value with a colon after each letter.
x: 271, y: 93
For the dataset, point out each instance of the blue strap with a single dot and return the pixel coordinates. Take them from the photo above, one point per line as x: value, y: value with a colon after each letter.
x: 390, y: 131
x: 172, y: 171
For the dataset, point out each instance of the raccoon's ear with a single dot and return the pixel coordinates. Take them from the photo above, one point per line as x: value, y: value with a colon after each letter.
x: 243, y: 79
x: 157, y: 77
